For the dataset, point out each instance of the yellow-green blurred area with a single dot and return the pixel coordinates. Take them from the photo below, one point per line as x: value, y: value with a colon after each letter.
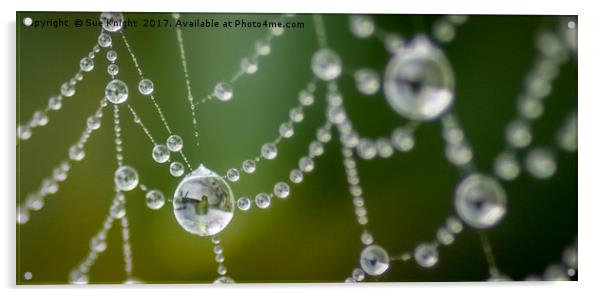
x: 312, y: 236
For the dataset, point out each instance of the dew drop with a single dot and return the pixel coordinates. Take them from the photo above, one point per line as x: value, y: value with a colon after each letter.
x: 326, y: 64
x: 480, y: 201
x: 126, y: 178
x: 116, y: 91
x: 419, y: 82
x: 203, y: 202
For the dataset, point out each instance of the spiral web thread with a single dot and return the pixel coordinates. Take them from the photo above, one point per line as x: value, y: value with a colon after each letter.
x: 553, y: 52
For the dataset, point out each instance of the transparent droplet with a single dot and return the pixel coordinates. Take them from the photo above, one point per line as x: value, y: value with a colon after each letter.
x: 222, y: 270
x: 27, y: 275
x: 160, y: 153
x: 98, y: 244
x: 480, y: 201
x: 296, y: 176
x: 366, y: 149
x: 296, y: 114
x: 126, y: 178
x: 67, y: 90
x: 458, y: 154
x: 22, y: 215
x: 306, y: 98
x: 248, y: 166
x: 286, y: 130
x: 323, y: 135
x: 262, y: 48
x: 393, y: 42
x: 55, y: 102
x: 419, y: 82
x: 277, y: 30
x: 77, y: 277
x: 117, y: 209
x: 146, y: 86
x: 112, y: 69
x: 540, y: 163
x: 155, y: 199
x: 175, y: 143
x: 269, y: 151
x: 361, y: 26
x: 306, y: 164
x: 374, y: 260
x: 316, y: 149
x: 24, y: 132
x: 367, y: 81
x: 104, y: 40
x: 233, y: 174
x: 86, y: 64
x: 249, y: 65
x: 384, y: 148
x: 244, y: 203
x: 358, y: 275
x: 336, y: 115
x: 49, y: 186
x: 262, y: 200
x: 116, y: 91
x: 426, y: 255
x: 567, y: 136
x: 76, y: 153
x: 176, y: 169
x: 518, y: 134
x: 203, y: 202
x: 367, y: 238
x: 282, y: 190
x: 444, y: 31
x: 530, y: 108
x: 444, y: 236
x: 326, y: 64
x: 93, y: 122
x: 453, y: 225
x: 223, y: 91
x: 402, y: 140
x: 506, y: 166
x: 112, y: 21
x: 111, y: 55
x: 35, y: 201
x: 40, y: 118
x: 59, y: 174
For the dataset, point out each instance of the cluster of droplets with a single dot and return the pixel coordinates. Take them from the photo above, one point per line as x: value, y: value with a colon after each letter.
x: 554, y: 49
x: 269, y: 150
x: 222, y: 270
x: 50, y: 185
x: 249, y: 65
x: 41, y: 117
x: 561, y: 271
x: 98, y: 243
x: 306, y: 164
x: 457, y: 148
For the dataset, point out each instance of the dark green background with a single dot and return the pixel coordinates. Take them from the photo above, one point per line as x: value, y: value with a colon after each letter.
x: 313, y: 236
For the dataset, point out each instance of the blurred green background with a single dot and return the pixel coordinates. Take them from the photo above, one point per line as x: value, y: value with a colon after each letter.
x: 312, y: 236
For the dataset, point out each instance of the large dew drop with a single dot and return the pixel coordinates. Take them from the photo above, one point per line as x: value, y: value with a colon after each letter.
x: 374, y: 260
x: 116, y: 91
x: 419, y: 82
x: 203, y: 202
x: 480, y: 201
